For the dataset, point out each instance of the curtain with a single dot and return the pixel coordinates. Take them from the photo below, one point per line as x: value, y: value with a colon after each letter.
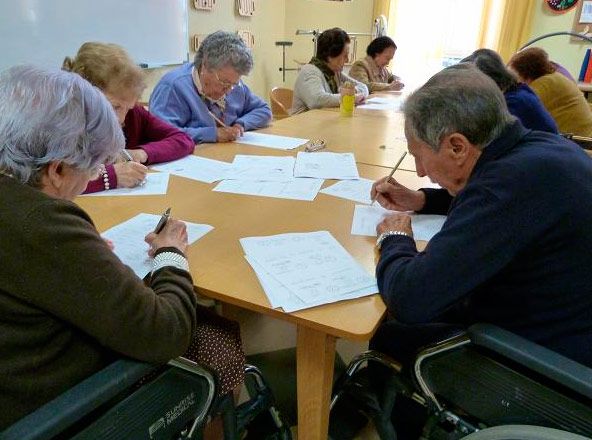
x: 506, y: 25
x: 381, y: 7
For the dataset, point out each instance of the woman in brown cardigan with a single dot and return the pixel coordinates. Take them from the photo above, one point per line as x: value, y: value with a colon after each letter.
x: 68, y: 305
x: 372, y: 70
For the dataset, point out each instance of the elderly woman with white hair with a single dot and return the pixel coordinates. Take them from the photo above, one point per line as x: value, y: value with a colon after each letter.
x: 68, y: 305
x: 207, y: 98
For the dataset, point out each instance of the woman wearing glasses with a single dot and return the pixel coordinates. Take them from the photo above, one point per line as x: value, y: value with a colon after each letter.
x: 207, y: 98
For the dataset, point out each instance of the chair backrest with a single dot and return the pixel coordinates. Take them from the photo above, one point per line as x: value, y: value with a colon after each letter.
x: 281, y: 102
x: 109, y: 405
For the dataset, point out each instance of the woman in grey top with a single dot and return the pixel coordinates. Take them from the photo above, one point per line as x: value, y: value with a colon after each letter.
x: 318, y: 82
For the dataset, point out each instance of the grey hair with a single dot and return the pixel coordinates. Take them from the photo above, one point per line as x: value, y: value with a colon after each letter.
x: 222, y: 49
x: 52, y: 115
x: 458, y: 99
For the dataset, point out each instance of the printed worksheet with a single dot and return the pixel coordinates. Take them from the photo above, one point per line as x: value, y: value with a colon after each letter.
x: 294, y: 189
x: 326, y: 165
x: 280, y: 296
x: 154, y: 184
x: 261, y: 168
x: 196, y: 168
x: 129, y: 244
x: 366, y: 218
x: 271, y: 140
x: 356, y: 190
x: 313, y: 265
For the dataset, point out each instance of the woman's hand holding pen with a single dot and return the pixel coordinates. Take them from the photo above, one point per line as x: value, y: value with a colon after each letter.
x: 138, y: 155
x: 229, y: 134
x: 129, y: 174
x: 174, y: 234
x: 396, y: 197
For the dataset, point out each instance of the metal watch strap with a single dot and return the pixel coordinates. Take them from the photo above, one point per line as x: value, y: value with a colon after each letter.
x: 386, y: 234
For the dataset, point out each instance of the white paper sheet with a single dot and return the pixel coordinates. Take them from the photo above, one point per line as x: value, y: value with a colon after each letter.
x: 271, y: 140
x: 130, y: 247
x: 261, y: 168
x: 279, y: 296
x: 384, y: 100
x: 155, y: 184
x: 295, y: 189
x: 357, y: 190
x: 326, y: 165
x: 313, y: 265
x: 392, y: 106
x: 196, y: 168
x: 366, y: 218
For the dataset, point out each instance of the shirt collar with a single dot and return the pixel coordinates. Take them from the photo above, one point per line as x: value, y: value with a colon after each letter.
x: 197, y: 82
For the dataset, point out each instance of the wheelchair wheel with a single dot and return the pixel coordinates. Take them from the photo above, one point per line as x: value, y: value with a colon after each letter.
x: 523, y: 432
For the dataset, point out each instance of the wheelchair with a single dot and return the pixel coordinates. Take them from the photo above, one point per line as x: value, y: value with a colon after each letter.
x: 484, y: 384
x: 136, y: 400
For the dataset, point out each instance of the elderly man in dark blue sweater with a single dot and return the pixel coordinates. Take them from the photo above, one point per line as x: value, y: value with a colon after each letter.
x: 516, y: 248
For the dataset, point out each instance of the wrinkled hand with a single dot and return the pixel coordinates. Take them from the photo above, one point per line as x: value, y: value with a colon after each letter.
x: 397, y: 85
x: 395, y: 222
x: 138, y: 155
x: 239, y: 129
x: 227, y: 134
x: 174, y: 234
x: 109, y: 243
x: 360, y: 98
x: 129, y: 174
x: 396, y: 197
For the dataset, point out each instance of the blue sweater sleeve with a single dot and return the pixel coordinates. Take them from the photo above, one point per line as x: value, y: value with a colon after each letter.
x: 256, y: 112
x: 485, y: 230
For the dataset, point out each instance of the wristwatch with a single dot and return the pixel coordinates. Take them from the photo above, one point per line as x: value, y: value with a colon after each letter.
x: 386, y: 234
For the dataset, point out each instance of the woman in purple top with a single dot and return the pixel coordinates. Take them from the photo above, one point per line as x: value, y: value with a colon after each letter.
x: 148, y: 139
x: 521, y: 100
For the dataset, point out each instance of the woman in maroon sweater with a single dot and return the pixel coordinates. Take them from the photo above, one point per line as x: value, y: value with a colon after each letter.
x: 148, y: 138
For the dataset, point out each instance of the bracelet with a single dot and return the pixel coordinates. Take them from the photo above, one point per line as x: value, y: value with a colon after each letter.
x: 103, y: 173
x: 387, y: 234
x: 173, y: 259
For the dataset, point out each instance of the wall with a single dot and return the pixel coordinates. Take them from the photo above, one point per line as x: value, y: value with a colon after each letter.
x: 353, y: 16
x: 277, y: 20
x: 560, y: 48
x: 267, y: 25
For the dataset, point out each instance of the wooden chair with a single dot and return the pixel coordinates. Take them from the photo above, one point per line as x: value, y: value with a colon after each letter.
x: 281, y: 102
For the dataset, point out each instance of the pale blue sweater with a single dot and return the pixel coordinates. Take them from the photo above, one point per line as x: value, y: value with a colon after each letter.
x: 175, y: 100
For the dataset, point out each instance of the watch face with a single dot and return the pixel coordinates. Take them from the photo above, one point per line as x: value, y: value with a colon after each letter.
x: 561, y: 6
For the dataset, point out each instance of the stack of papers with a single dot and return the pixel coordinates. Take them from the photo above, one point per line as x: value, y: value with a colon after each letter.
x: 196, y: 168
x: 326, y: 165
x: 366, y: 218
x: 268, y: 176
x: 271, y: 141
x: 129, y: 244
x: 302, y: 270
x: 382, y: 103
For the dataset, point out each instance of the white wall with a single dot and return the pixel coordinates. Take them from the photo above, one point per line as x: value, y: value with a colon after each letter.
x: 277, y: 20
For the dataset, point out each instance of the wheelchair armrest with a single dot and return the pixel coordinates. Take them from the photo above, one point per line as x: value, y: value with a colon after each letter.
x: 548, y: 363
x: 69, y: 407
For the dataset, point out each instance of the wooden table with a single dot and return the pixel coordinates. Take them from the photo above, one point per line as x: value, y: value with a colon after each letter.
x: 220, y: 271
x: 374, y: 140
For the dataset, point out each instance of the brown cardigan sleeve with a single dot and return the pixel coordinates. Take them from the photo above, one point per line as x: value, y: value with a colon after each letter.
x: 78, y: 279
x: 360, y: 72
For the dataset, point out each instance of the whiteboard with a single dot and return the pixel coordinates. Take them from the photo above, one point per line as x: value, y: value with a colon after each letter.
x: 43, y: 32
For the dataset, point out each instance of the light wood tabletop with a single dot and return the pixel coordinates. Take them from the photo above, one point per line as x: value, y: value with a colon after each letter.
x: 220, y: 271
x: 374, y: 140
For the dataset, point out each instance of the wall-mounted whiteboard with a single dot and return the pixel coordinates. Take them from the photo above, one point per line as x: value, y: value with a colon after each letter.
x: 43, y: 32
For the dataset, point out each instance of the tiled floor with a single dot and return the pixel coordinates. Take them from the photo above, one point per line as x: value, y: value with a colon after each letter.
x: 262, y: 334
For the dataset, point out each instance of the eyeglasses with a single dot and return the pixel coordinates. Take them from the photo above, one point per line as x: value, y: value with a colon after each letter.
x: 225, y: 84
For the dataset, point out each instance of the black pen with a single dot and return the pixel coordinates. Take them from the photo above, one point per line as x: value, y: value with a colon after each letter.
x: 163, y: 221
